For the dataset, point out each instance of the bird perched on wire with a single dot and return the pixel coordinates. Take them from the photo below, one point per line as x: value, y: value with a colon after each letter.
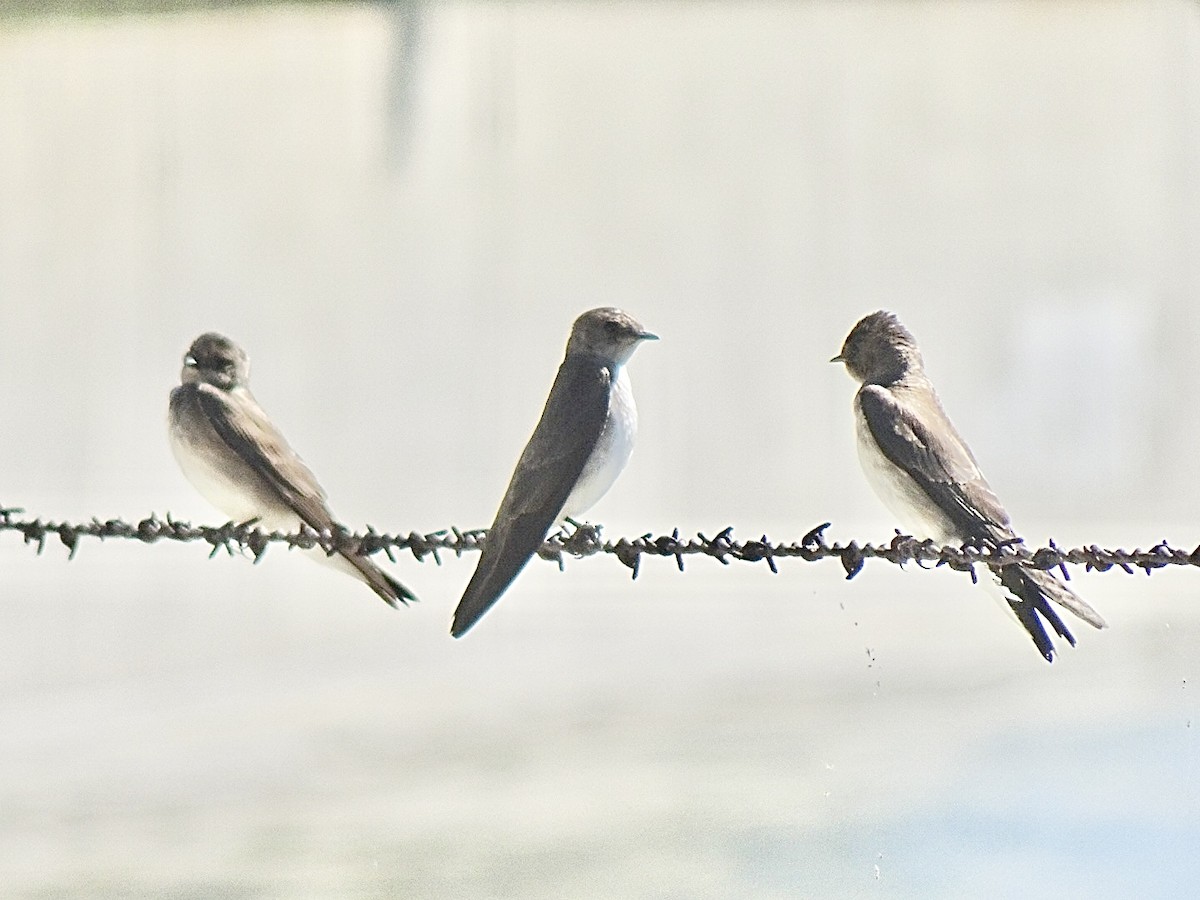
x: 928, y: 478
x: 240, y: 462
x: 580, y: 446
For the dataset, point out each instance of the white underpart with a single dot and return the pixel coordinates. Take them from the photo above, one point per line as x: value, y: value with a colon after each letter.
x: 612, y: 451
x: 219, y: 481
x: 902, y: 496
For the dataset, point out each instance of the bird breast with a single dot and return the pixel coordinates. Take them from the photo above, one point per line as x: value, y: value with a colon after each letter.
x: 217, y: 473
x: 915, y: 512
x: 612, y: 451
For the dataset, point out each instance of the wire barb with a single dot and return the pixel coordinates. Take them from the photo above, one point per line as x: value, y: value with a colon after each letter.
x: 583, y: 539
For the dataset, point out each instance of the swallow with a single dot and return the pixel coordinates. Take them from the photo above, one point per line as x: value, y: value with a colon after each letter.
x: 925, y: 474
x: 577, y: 450
x: 239, y: 461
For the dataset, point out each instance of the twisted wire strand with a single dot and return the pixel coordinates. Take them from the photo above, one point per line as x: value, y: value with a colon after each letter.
x: 587, y: 540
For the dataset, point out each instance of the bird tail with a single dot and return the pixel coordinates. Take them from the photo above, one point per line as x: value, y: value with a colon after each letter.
x: 398, y: 591
x: 1059, y: 593
x: 1030, y: 590
x: 506, y: 550
x: 391, y: 591
x: 481, y: 593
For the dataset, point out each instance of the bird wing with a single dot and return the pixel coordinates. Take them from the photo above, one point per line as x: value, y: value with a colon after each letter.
x: 913, y: 432
x: 247, y: 431
x: 571, y: 424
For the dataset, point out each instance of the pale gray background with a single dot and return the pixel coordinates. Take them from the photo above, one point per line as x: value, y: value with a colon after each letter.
x: 399, y: 210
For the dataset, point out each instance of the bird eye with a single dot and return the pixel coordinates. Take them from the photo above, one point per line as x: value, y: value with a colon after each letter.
x: 612, y: 328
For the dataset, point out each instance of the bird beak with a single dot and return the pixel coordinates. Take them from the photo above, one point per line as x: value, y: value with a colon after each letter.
x: 838, y: 358
x: 189, y: 361
x: 647, y: 336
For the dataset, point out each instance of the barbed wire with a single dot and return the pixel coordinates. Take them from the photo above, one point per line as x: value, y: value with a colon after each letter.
x: 587, y: 540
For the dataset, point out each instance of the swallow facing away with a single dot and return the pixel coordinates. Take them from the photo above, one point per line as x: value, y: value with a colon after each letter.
x: 925, y: 474
x: 238, y: 461
x: 580, y: 446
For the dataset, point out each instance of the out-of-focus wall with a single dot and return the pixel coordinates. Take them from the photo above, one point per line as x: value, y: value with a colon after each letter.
x: 427, y: 195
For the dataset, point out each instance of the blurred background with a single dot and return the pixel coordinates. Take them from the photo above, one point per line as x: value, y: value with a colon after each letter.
x: 399, y: 209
